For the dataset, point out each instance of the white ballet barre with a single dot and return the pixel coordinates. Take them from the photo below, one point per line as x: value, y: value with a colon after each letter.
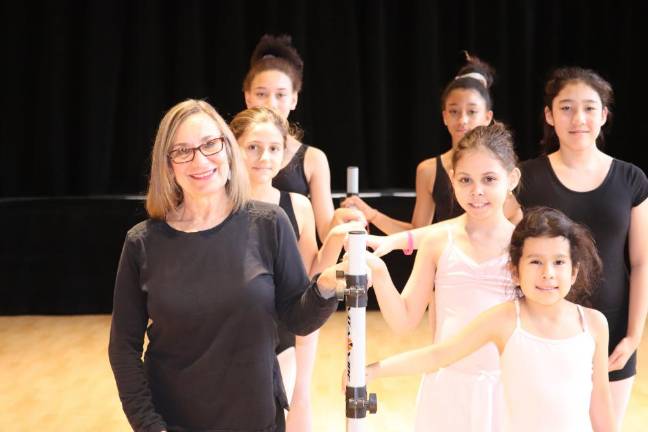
x: 353, y: 289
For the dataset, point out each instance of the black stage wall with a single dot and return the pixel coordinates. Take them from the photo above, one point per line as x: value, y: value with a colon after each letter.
x: 86, y: 83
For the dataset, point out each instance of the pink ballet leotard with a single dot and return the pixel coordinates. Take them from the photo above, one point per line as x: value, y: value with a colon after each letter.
x: 465, y: 396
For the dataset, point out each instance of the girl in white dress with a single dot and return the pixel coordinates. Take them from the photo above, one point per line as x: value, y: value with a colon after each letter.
x: 461, y: 270
x: 553, y: 352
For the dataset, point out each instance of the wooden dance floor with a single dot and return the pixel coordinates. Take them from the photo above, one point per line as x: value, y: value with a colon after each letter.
x: 55, y: 376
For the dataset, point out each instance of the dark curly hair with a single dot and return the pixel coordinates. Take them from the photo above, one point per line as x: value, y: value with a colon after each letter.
x: 549, y: 222
x: 275, y: 53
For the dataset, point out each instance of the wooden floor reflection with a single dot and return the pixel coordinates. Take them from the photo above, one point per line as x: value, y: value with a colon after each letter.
x: 54, y: 375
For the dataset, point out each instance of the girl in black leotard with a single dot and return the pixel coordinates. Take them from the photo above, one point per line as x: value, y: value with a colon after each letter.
x: 274, y: 81
x: 261, y: 134
x: 606, y: 194
x: 465, y: 103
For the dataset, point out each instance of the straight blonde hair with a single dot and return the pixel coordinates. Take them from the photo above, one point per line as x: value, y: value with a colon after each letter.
x: 164, y: 194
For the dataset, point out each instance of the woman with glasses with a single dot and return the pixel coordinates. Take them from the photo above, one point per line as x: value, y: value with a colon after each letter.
x: 262, y: 134
x: 205, y: 278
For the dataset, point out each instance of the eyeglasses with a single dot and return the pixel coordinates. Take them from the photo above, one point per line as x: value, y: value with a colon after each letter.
x: 187, y: 154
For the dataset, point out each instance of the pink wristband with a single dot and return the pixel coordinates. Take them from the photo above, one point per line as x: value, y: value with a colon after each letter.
x: 410, y: 244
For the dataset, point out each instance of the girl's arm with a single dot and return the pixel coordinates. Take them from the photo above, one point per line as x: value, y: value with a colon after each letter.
x: 493, y: 325
x: 300, y: 417
x: 432, y: 316
x: 423, y: 208
x: 601, y: 413
x: 382, y: 245
x: 307, y: 243
x: 638, y: 252
x: 316, y: 261
x: 404, y: 311
x: 319, y: 184
x: 380, y: 220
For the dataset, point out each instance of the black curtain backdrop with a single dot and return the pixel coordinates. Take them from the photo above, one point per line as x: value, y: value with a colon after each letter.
x: 86, y: 83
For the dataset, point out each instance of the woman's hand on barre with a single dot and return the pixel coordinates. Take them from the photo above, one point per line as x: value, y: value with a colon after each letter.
x: 327, y: 280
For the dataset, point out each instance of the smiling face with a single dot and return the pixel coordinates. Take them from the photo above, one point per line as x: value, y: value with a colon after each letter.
x: 204, y: 175
x: 262, y: 145
x: 272, y: 89
x: 545, y: 272
x: 465, y: 109
x: 481, y: 183
x: 577, y: 116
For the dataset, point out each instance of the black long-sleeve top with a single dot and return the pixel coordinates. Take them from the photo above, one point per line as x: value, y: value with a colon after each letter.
x: 211, y: 298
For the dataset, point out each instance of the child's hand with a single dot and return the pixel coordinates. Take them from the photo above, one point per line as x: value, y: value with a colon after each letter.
x: 344, y: 215
x: 621, y: 354
x: 355, y: 201
x: 376, y: 267
x: 381, y: 245
x: 344, y: 228
x: 344, y: 265
x: 369, y: 376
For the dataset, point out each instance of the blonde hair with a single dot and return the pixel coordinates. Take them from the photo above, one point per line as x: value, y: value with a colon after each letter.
x: 259, y: 115
x: 164, y: 194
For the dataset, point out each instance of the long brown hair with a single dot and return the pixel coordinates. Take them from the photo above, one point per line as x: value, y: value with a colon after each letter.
x: 560, y: 78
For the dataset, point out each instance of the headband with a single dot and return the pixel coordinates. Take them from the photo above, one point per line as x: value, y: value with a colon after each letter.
x: 474, y: 75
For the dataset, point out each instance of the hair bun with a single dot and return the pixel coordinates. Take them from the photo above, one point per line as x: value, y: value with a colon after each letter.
x: 475, y: 65
x: 277, y: 46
